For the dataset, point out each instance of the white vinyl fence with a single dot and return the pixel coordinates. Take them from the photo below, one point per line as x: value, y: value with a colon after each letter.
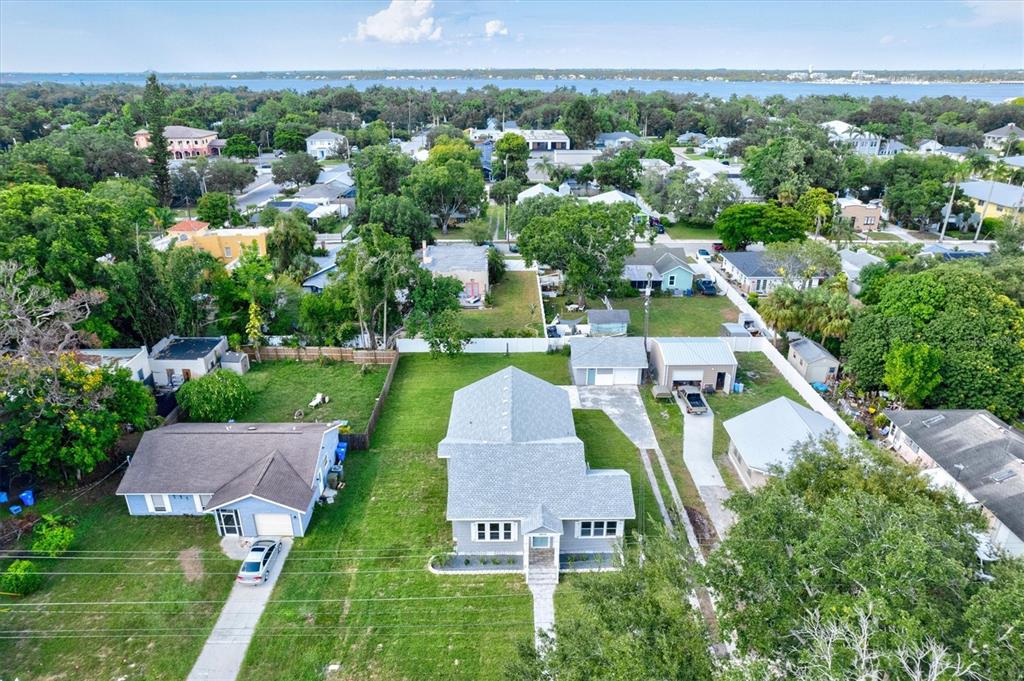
x: 487, y: 345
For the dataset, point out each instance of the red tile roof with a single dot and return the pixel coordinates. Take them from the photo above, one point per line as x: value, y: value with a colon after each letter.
x: 189, y: 226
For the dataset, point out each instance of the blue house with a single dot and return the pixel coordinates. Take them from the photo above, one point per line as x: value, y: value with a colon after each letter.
x: 255, y: 479
x: 666, y: 268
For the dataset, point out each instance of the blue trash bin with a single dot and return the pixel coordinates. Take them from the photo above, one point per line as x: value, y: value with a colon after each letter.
x: 341, y: 451
x: 15, y: 510
x: 3, y: 497
x: 27, y: 498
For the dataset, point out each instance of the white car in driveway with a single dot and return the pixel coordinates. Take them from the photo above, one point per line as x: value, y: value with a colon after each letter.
x: 256, y: 567
x: 703, y: 255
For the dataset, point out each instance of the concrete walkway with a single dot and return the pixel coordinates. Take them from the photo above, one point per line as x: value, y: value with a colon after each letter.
x: 543, y: 611
x: 624, y: 407
x: 698, y: 438
x: 222, y: 656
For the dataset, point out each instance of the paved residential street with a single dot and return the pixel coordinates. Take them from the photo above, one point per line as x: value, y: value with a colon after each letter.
x: 260, y: 191
x: 222, y: 656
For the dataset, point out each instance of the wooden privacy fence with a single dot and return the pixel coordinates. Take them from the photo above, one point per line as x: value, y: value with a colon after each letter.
x: 361, y: 441
x: 313, y: 354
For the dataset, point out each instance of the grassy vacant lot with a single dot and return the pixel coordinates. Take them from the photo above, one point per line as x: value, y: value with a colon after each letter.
x: 691, y: 230
x: 881, y: 236
x: 762, y: 383
x: 607, y: 447
x: 371, y: 605
x: 515, y: 306
x: 173, y: 561
x: 284, y: 386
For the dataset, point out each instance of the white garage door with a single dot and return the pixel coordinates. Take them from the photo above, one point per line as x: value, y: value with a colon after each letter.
x: 604, y: 377
x: 274, y: 524
x: 625, y: 377
x: 688, y: 375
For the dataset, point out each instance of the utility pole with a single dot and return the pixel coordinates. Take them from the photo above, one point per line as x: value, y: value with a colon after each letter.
x: 647, y: 309
x: 949, y: 210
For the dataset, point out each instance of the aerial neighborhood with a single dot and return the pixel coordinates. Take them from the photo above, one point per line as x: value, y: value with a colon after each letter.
x: 333, y: 380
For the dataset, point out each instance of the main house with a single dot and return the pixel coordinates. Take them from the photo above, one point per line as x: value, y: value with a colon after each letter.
x: 978, y: 456
x: 862, y: 216
x: 998, y: 139
x: 256, y: 479
x: 184, y: 142
x: 518, y: 482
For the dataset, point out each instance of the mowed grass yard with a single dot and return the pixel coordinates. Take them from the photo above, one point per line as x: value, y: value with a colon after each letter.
x: 284, y: 386
x: 606, y: 446
x: 762, y: 383
x: 515, y: 306
x: 670, y: 315
x: 90, y: 626
x: 367, y: 601
x: 691, y: 231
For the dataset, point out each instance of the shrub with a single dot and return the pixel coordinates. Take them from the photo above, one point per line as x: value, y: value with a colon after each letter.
x: 21, y: 577
x: 219, y: 396
x: 753, y: 299
x: 52, y: 536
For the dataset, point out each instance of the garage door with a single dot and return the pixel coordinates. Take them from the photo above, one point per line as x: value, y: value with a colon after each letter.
x: 274, y: 524
x: 604, y: 377
x: 687, y: 375
x: 625, y: 377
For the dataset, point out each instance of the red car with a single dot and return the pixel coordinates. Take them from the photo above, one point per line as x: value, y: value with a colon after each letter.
x: 717, y: 247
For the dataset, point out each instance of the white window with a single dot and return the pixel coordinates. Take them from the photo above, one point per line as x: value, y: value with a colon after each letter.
x: 158, y: 503
x: 869, y: 220
x: 227, y: 251
x: 597, y: 528
x: 672, y: 280
x: 503, y: 531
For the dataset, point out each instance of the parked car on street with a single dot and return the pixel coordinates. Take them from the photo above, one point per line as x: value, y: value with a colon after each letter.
x: 255, y: 568
x: 717, y: 247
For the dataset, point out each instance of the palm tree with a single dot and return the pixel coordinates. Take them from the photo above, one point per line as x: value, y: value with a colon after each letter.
x: 782, y: 310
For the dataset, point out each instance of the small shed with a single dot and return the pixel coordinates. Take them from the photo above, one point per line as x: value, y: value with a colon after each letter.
x: 734, y: 330
x: 812, y: 360
x: 608, y: 322
x: 612, y: 360
x: 235, y: 361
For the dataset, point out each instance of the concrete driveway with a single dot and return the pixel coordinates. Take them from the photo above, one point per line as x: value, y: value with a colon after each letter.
x: 698, y: 438
x: 625, y: 407
x: 222, y: 656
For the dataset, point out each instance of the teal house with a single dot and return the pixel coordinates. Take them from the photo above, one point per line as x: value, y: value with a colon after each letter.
x: 666, y: 267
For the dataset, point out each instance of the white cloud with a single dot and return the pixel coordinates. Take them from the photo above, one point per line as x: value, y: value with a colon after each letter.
x: 993, y: 12
x: 887, y: 39
x: 403, y: 21
x: 495, y: 27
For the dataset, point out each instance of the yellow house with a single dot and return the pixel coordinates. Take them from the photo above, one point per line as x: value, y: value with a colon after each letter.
x: 994, y: 199
x: 223, y: 244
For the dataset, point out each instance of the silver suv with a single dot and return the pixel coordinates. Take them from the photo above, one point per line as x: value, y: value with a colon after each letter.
x: 256, y: 567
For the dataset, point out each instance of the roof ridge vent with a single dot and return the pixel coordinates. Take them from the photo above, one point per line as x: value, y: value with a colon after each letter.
x: 932, y: 420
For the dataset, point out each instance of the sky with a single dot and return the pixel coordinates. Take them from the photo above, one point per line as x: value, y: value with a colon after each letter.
x: 215, y: 36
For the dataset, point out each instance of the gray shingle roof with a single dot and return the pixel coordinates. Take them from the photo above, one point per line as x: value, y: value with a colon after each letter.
x: 858, y: 258
x: 325, y: 135
x: 187, y: 348
x: 509, y: 406
x: 456, y: 257
x: 987, y: 448
x: 608, y: 352
x: 750, y: 263
x: 608, y: 316
x: 765, y: 435
x: 276, y: 462
x: 512, y: 446
x: 1002, y: 194
x: 659, y: 257
x: 694, y: 351
x: 1007, y: 130
x: 541, y: 518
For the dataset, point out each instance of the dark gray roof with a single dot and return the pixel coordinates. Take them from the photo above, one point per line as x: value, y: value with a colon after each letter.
x: 608, y: 316
x: 990, y: 451
x: 608, y: 352
x: 232, y: 357
x: 509, y: 406
x: 512, y: 446
x: 187, y: 348
x: 750, y: 263
x: 274, y: 461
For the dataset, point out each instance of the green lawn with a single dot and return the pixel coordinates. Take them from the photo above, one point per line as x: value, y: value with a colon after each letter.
x: 607, y: 447
x: 691, y: 230
x: 679, y: 316
x: 131, y: 642
x: 374, y: 544
x: 762, y: 383
x: 882, y: 236
x: 515, y: 306
x: 284, y: 386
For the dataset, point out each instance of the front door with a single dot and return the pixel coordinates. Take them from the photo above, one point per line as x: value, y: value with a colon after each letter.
x: 720, y: 381
x: 186, y: 374
x: 542, y: 552
x: 228, y: 523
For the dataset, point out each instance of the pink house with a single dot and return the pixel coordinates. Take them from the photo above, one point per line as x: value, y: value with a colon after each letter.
x: 184, y: 142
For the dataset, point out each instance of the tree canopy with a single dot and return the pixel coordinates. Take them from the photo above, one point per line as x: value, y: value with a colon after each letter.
x: 748, y: 223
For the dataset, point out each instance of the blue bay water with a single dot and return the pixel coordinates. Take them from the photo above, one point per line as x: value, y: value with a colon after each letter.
x: 991, y: 92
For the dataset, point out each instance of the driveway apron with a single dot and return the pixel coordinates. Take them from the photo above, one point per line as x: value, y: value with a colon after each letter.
x: 698, y: 436
x: 222, y: 656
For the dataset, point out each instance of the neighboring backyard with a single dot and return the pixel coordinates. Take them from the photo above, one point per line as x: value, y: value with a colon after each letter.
x: 607, y: 447
x: 283, y: 387
x: 762, y: 383
x: 367, y: 601
x: 691, y: 231
x: 85, y: 623
x: 670, y: 315
x: 515, y: 306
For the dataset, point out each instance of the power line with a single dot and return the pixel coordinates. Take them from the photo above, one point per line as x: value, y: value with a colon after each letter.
x: 206, y: 630
x: 265, y: 613
x: 286, y: 600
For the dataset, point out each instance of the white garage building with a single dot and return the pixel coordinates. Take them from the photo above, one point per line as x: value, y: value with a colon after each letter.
x: 607, y: 360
